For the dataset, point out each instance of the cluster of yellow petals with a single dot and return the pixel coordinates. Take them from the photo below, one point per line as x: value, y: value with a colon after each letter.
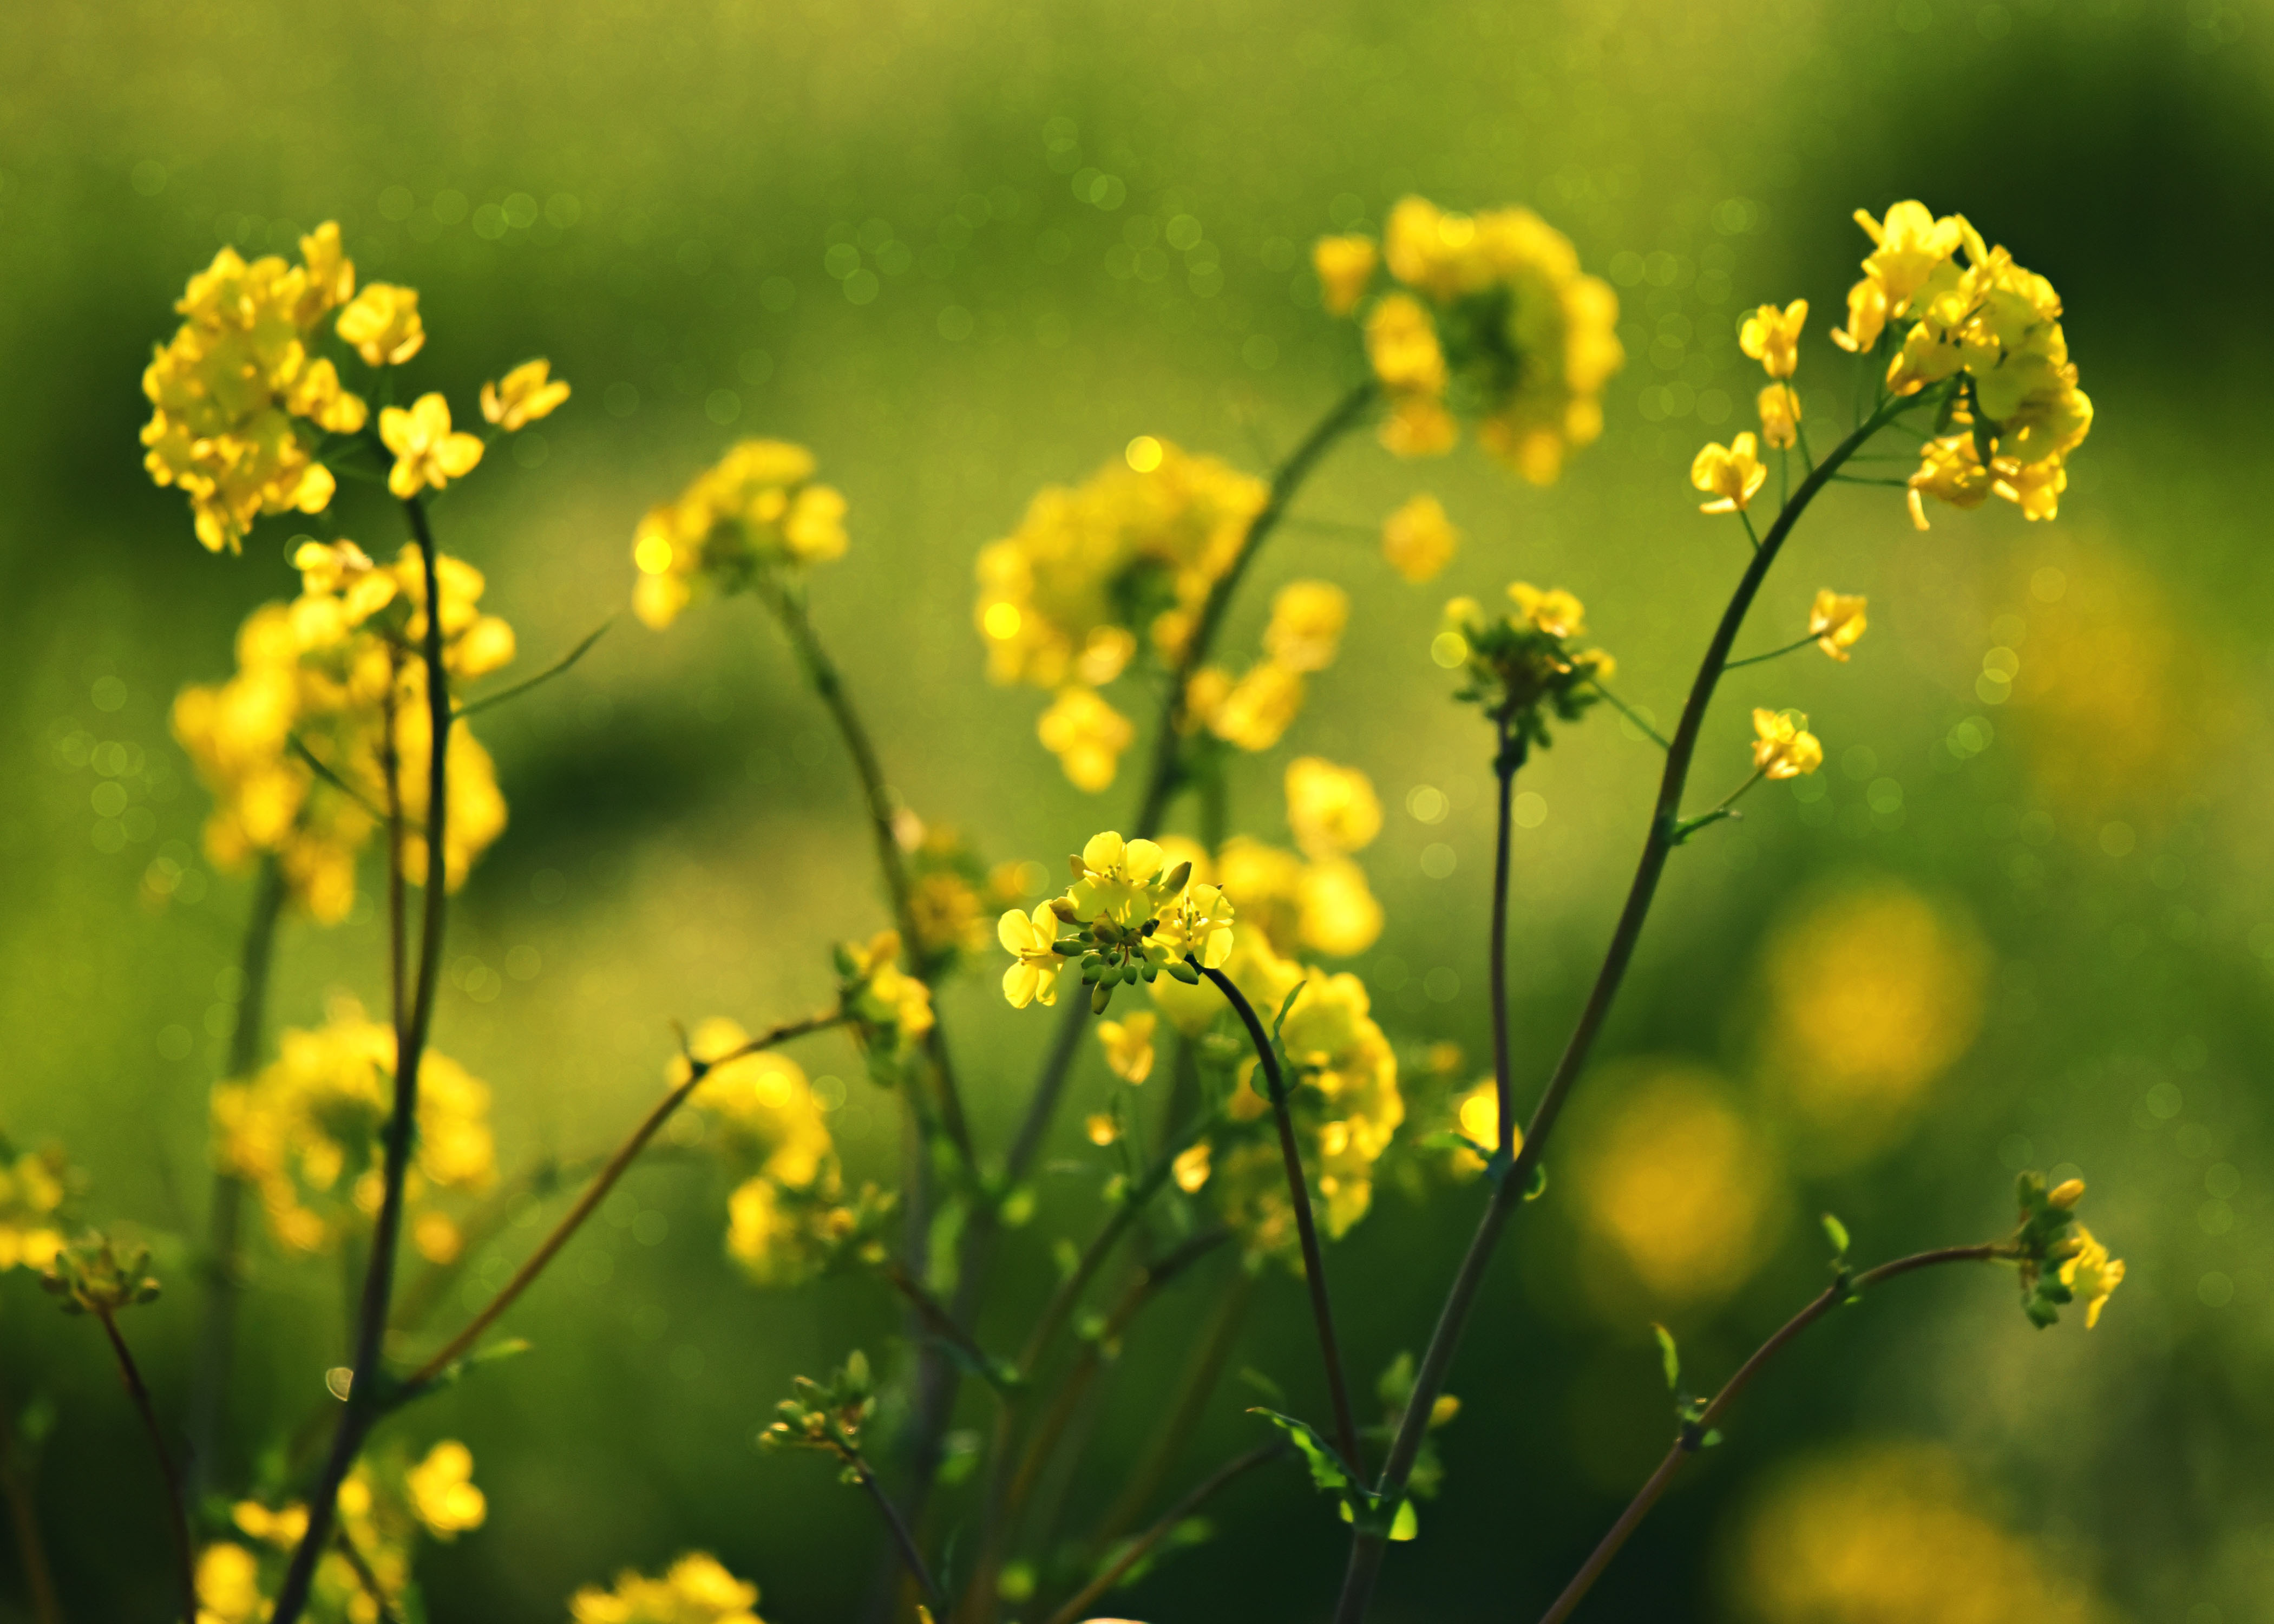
x: 758, y: 508
x: 696, y: 1588
x: 428, y: 453
x: 382, y: 323
x: 229, y: 391
x: 1492, y: 313
x: 1128, y: 1045
x: 304, y: 1133
x: 1771, y: 337
x: 2092, y: 1274
x: 1157, y: 527
x: 1782, y: 746
x: 522, y: 395
x: 326, y: 676
x: 1779, y: 405
x: 1253, y: 710
x: 1419, y: 539
x: 1731, y: 475
x: 1836, y: 620
x: 32, y: 1184
x: 442, y: 1491
x: 1332, y: 810
x: 885, y: 1001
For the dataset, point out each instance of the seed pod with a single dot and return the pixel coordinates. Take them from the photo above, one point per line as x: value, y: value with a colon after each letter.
x: 1178, y: 878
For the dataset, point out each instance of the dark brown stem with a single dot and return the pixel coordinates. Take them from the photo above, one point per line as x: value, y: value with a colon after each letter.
x: 910, y: 1556
x: 365, y: 1576
x: 177, y: 1514
x: 1142, y: 1545
x: 1306, y: 1227
x: 24, y: 1520
x: 1367, y: 1549
x: 1692, y: 1436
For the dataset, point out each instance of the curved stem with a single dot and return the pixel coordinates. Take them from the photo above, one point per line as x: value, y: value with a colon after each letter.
x: 1506, y: 760
x: 1298, y: 1194
x: 1692, y: 1436
x: 905, y: 1541
x: 1367, y: 1549
x: 365, y: 1576
x: 1630, y: 713
x: 1756, y: 659
x: 177, y: 1514
x: 1142, y: 1545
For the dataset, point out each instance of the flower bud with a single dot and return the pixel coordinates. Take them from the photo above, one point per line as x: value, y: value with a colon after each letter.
x: 2067, y: 1194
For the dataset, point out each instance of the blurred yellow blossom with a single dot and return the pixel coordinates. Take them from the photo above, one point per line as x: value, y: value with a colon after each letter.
x: 695, y: 1590
x: 1255, y: 711
x: 1346, y: 265
x: 1555, y: 612
x: 1128, y: 1046
x: 1778, y: 404
x: 757, y: 508
x: 1732, y: 475
x: 1306, y: 630
x: 1031, y: 941
x: 228, y: 1585
x: 1191, y: 1169
x: 1771, y: 337
x: 33, y: 1186
x: 1100, y: 1129
x: 1418, y: 540
x: 1088, y: 736
x: 428, y: 453
x: 766, y: 1119
x: 1836, y: 621
x: 282, y: 1528
x: 1400, y: 345
x: 1333, y: 811
x: 2092, y: 1274
x: 1782, y: 746
x: 522, y: 395
x: 1477, y: 1114
x: 442, y: 1491
x: 382, y: 323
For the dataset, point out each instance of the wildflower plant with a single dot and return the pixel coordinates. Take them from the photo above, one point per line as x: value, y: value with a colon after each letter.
x: 1252, y: 1103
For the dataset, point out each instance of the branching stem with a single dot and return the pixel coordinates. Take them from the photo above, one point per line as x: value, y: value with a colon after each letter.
x: 1139, y: 1548
x: 177, y: 1512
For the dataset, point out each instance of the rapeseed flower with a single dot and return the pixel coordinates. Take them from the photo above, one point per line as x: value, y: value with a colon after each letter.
x: 757, y: 510
x: 382, y: 323
x: 522, y: 396
x: 1128, y: 1046
x: 1836, y: 621
x: 1782, y: 746
x: 428, y: 454
x: 1520, y: 662
x: 1418, y: 540
x: 695, y: 1590
x: 1306, y: 630
x: 1088, y: 736
x: 2091, y: 1275
x: 442, y: 1491
x: 1031, y: 940
x: 33, y: 1186
x: 1346, y: 265
x: 1778, y: 404
x: 1732, y: 475
x: 1771, y: 337
x: 1333, y: 811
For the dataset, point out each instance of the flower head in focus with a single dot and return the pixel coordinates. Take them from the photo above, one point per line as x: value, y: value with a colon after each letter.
x: 522, y: 395
x: 1782, y: 746
x: 1730, y: 475
x: 2092, y: 1275
x: 1418, y: 540
x: 1836, y: 621
x: 2061, y: 1261
x: 428, y: 453
x: 757, y: 509
x: 1521, y: 662
x: 1032, y: 942
x: 1771, y: 337
x: 1132, y: 917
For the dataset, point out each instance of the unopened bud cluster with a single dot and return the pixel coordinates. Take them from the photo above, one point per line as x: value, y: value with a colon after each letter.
x: 1130, y: 922
x: 2061, y: 1262
x: 825, y: 1415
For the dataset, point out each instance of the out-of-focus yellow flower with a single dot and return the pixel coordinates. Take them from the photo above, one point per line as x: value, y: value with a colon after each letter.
x: 1555, y: 612
x: 282, y: 1528
x: 1418, y: 540
x: 1771, y: 337
x: 1030, y: 940
x: 522, y: 395
x: 1732, y: 475
x: 1401, y: 342
x: 1088, y: 736
x: 890, y: 1008
x: 1336, y: 913
x: 758, y: 508
x: 228, y: 1585
x: 382, y: 323
x: 1128, y: 1046
x: 2092, y: 1274
x: 1782, y: 746
x: 427, y: 452
x: 1780, y: 409
x: 1477, y: 1113
x: 1836, y: 621
x: 226, y: 389
x: 697, y: 1590
x: 1258, y: 709
x: 1191, y: 1169
x: 442, y: 1491
x: 768, y: 1121
x: 1333, y: 811
x: 32, y: 1184
x: 2066, y: 1194
x: 1306, y: 630
x: 1345, y: 265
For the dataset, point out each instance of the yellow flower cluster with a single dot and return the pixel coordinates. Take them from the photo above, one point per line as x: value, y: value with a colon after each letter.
x: 951, y: 894
x: 304, y: 1133
x: 329, y: 676
x: 1520, y: 662
x: 1418, y: 540
x: 758, y: 508
x: 32, y: 1184
x: 890, y: 1008
x: 695, y: 1590
x: 1253, y: 710
x: 1094, y: 572
x: 1782, y: 746
x: 1134, y: 914
x: 1993, y: 326
x: 229, y: 391
x: 1492, y: 317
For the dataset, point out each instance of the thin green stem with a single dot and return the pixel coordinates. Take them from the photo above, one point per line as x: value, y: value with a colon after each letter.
x: 911, y: 1556
x: 1756, y: 659
x: 1507, y: 759
x: 1139, y: 1548
x: 24, y: 1520
x: 1630, y: 713
x: 1693, y: 1435
x: 177, y: 1511
x: 1751, y: 534
x: 557, y: 668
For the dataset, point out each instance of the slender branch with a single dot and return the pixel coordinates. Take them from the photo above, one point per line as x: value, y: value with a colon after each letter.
x: 1369, y: 1549
x: 177, y: 1514
x: 24, y: 1520
x: 365, y: 1576
x: 555, y: 669
x: 1756, y: 659
x: 225, y: 1262
x: 1298, y: 1194
x: 1630, y: 713
x: 323, y: 769
x: 1692, y: 1436
x: 597, y: 1191
x: 910, y: 1554
x: 935, y: 1316
x: 1507, y: 759
x: 1142, y: 1545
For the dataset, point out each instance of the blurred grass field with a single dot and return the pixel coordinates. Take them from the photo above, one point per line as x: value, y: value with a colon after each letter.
x: 2049, y: 902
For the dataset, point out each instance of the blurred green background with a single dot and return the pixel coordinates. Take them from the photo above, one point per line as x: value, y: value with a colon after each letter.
x: 2048, y: 900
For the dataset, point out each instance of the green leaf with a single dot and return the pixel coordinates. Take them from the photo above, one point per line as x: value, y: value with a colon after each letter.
x: 1836, y: 1232
x: 1328, y: 1470
x: 1395, y: 1383
x: 1669, y: 1357
x: 1537, y: 1187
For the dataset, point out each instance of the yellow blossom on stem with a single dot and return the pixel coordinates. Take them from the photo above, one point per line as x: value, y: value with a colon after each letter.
x: 1128, y: 1046
x: 1771, y: 337
x: 1332, y: 810
x: 1191, y: 1169
x: 1086, y: 736
x: 757, y: 508
x: 1306, y: 628
x: 1836, y: 621
x: 1259, y: 708
x: 1555, y: 612
x: 1418, y: 540
x: 1031, y: 941
x: 427, y: 452
x: 1782, y: 746
x: 2092, y: 1274
x: 382, y: 323
x: 1732, y: 475
x: 228, y: 1585
x: 697, y: 1590
x: 442, y: 1491
x: 1400, y: 345
x: 1346, y: 265
x: 522, y: 395
x: 1779, y: 408
x: 1950, y: 470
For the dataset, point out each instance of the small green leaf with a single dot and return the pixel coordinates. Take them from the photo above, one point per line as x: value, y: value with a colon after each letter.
x: 1407, y: 1524
x: 1328, y: 1470
x: 1537, y: 1187
x: 1669, y: 1357
x: 1836, y: 1232
x: 1395, y: 1383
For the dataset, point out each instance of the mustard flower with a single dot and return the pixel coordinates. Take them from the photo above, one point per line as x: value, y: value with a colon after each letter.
x: 1771, y: 337
x: 2092, y: 1274
x: 382, y: 323
x: 1306, y: 630
x: 1198, y: 926
x: 1117, y: 880
x: 1032, y: 942
x: 697, y: 1590
x: 1333, y: 811
x: 766, y: 1122
x: 891, y: 1009
x: 1836, y: 620
x: 32, y: 1184
x: 1100, y: 1129
x: 1782, y: 746
x: 228, y: 1585
x: 1257, y: 710
x: 1346, y: 265
x: 1418, y: 540
x: 522, y: 396
x: 442, y: 1491
x: 1731, y: 474
x: 1778, y: 404
x: 1088, y: 736
x: 1128, y: 1046
x: 1950, y: 470
x: 1555, y: 612
x: 1335, y: 913
x: 1191, y: 1169
x: 757, y: 508
x: 1518, y: 663
x: 427, y: 453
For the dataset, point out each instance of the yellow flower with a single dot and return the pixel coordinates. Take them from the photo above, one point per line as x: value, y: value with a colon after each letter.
x: 1780, y: 409
x: 1259, y: 708
x: 1555, y: 612
x: 756, y: 507
x: 1029, y: 939
x: 1199, y: 926
x: 1345, y: 265
x: 697, y: 1590
x: 1332, y: 810
x: 1401, y: 343
x: 1771, y: 337
x: 228, y: 1585
x: 383, y: 325
x: 1950, y: 470
x: 282, y: 1528
x: 1086, y: 736
x: 426, y: 452
x: 31, y: 1188
x: 1836, y: 621
x: 1418, y: 540
x: 1335, y: 913
x: 1782, y: 746
x: 522, y: 396
x: 1731, y: 474
x: 2066, y: 1194
x: 877, y: 993
x: 1128, y: 1046
x: 1306, y: 630
x: 1191, y: 1169
x: 442, y: 1491
x: 1478, y: 1113
x: 1100, y: 1129
x: 767, y: 1121
x: 1867, y: 318
x: 2092, y: 1274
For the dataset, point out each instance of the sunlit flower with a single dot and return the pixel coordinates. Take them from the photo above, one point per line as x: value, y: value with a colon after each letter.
x: 1030, y: 940
x: 522, y: 395
x: 1782, y: 746
x: 1191, y: 1168
x: 1950, y: 470
x: 1255, y: 711
x: 1418, y: 540
x: 2092, y: 1274
x: 1731, y: 474
x: 1401, y: 342
x: 1555, y: 611
x: 1780, y: 409
x: 427, y: 453
x: 33, y: 1186
x: 1771, y: 337
x: 382, y: 323
x: 1345, y: 265
x: 758, y: 508
x: 1336, y: 913
x: 1198, y: 926
x: 1306, y: 623
x: 442, y: 1491
x: 1836, y: 621
x: 1100, y: 1129
x: 1332, y: 810
x: 889, y: 1005
x: 228, y: 1585
x: 697, y: 1590
x: 1128, y: 1046
x: 1086, y: 736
